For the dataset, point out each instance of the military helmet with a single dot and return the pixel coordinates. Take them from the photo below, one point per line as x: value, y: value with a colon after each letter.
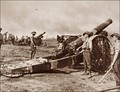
x: 33, y: 32
x: 0, y: 28
x: 88, y: 33
x: 116, y: 35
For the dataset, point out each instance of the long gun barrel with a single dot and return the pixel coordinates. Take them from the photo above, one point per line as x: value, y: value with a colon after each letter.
x: 78, y: 42
x: 5, y: 33
x: 102, y: 26
x: 41, y: 35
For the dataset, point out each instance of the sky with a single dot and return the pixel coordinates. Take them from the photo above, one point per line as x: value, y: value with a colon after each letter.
x: 57, y: 17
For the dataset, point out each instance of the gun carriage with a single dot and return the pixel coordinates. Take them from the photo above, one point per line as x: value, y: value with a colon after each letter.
x: 100, y: 56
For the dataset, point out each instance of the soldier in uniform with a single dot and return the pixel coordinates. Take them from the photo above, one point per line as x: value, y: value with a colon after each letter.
x: 5, y: 37
x: 86, y: 49
x: 116, y: 60
x: 33, y: 45
x: 1, y: 38
x: 1, y: 41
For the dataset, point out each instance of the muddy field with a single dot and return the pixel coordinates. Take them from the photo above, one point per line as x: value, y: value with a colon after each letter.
x: 51, y: 81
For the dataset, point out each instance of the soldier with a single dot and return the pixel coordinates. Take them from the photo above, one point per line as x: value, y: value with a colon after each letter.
x: 1, y: 41
x: 33, y: 45
x: 116, y: 60
x: 5, y: 37
x: 60, y: 43
x: 1, y: 38
x: 16, y: 38
x: 86, y: 48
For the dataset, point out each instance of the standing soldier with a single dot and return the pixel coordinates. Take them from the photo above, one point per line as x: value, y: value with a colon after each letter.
x: 33, y: 45
x: 1, y: 41
x: 116, y: 60
x: 1, y: 38
x: 16, y: 39
x: 5, y: 37
x: 86, y: 48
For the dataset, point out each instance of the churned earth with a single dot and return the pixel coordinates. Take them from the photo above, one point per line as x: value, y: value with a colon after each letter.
x: 49, y: 81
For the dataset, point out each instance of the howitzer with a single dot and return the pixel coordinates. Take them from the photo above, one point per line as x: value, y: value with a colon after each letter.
x: 41, y: 35
x: 38, y: 39
x: 78, y: 42
x: 5, y: 33
x: 102, y: 26
x: 100, y: 57
x: 100, y: 54
x: 39, y: 65
x: 98, y: 29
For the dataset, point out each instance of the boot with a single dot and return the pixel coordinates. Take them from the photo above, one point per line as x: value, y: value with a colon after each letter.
x: 85, y: 71
x: 90, y: 74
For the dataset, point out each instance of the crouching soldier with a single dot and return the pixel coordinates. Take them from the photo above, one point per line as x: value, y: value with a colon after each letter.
x: 33, y: 45
x: 86, y: 48
x: 116, y: 60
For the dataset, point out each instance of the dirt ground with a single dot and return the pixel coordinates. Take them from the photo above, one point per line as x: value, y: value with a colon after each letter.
x: 53, y: 81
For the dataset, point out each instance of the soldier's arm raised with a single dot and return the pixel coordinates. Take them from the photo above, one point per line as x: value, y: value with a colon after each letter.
x: 115, y: 58
x: 117, y: 50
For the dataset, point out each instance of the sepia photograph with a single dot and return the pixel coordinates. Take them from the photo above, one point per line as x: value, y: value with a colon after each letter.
x: 59, y: 46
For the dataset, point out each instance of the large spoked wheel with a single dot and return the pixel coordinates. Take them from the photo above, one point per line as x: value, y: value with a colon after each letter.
x: 100, y: 55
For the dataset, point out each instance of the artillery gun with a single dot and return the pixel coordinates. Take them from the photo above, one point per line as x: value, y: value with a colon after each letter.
x: 100, y: 57
x: 38, y: 39
x: 100, y: 54
x: 26, y: 41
